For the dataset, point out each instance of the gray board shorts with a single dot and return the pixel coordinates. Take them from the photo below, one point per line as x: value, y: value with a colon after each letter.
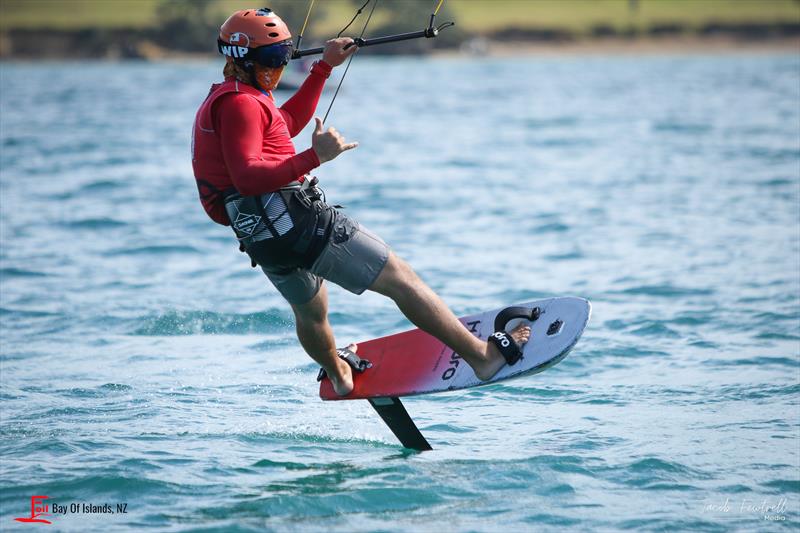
x: 352, y: 259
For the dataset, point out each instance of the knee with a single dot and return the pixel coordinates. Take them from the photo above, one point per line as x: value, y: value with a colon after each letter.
x: 305, y: 314
x: 315, y: 311
x: 405, y: 274
x: 397, y: 278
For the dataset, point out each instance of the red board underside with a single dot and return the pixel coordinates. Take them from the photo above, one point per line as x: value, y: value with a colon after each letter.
x: 397, y: 361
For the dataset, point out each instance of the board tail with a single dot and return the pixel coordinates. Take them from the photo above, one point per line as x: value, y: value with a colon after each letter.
x: 392, y: 412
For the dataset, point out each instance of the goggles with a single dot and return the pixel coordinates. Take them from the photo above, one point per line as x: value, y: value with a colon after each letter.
x: 272, y: 55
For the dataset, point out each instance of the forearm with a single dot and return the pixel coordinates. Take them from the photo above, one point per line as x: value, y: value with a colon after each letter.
x: 254, y: 176
x: 241, y: 123
x: 299, y: 109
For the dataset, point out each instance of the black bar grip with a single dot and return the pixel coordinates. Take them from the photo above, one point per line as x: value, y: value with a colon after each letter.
x: 427, y: 33
x: 307, y: 52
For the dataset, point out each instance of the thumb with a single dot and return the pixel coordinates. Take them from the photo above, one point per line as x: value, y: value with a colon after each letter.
x: 318, y: 127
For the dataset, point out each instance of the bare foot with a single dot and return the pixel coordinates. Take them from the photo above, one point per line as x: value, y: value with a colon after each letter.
x: 342, y: 378
x: 494, y: 360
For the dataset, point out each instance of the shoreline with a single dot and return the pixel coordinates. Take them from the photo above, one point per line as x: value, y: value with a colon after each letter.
x: 487, y: 48
x: 688, y: 45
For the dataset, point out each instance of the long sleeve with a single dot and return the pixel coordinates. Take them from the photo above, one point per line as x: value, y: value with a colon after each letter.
x: 241, y: 123
x: 299, y: 109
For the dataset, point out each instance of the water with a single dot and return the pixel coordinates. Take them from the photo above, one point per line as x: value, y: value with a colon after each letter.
x: 144, y: 362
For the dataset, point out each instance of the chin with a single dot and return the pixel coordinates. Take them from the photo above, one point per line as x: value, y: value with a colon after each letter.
x: 270, y: 86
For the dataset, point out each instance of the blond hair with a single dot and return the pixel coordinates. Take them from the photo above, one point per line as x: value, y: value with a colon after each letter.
x: 261, y: 77
x: 231, y: 69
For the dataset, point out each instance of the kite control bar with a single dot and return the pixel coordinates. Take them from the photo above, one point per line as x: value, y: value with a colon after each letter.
x: 429, y: 33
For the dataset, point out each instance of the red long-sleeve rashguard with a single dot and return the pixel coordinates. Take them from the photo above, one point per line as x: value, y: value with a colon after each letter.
x: 242, y: 140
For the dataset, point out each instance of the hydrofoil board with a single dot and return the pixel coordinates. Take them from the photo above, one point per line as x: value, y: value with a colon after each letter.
x: 414, y: 362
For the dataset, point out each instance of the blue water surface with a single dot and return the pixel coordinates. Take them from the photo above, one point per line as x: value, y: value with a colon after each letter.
x: 142, y: 360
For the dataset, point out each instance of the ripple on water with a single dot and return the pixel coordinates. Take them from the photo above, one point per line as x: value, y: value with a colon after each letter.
x: 681, y: 128
x: 101, y: 391
x: 760, y: 361
x: 153, y: 250
x: 783, y: 486
x: 102, y: 223
x: 665, y: 291
x: 6, y: 273
x: 101, y: 186
x: 653, y: 473
x: 105, y: 484
x: 210, y: 322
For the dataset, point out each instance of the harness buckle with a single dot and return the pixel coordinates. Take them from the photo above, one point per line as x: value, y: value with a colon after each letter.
x: 304, y: 198
x: 309, y: 194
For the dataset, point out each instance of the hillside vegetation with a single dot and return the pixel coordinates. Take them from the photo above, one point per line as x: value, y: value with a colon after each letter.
x: 474, y: 16
x: 41, y: 29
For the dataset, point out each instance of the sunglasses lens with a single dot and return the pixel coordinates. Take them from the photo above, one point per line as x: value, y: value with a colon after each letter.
x: 275, y: 55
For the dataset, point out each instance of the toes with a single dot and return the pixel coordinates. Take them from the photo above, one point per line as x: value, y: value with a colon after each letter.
x: 521, y: 333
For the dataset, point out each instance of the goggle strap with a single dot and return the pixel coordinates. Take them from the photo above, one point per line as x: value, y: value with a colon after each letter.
x: 236, y: 52
x: 257, y: 54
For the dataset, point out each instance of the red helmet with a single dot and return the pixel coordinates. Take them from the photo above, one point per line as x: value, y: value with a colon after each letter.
x: 246, y: 33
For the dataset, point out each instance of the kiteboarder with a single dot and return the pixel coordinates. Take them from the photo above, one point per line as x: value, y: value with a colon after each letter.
x: 250, y: 177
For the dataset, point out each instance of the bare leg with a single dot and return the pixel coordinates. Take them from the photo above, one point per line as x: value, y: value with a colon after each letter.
x: 316, y: 336
x: 428, y: 312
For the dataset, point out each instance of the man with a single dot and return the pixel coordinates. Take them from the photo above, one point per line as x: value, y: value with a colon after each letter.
x: 250, y: 177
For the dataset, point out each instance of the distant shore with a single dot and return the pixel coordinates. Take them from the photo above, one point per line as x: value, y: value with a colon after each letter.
x: 122, y: 45
x: 636, y: 46
x: 32, y: 30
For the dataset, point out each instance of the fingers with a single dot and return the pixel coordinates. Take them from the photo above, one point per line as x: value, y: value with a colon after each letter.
x: 338, y: 50
x: 343, y: 41
x: 344, y: 46
x: 328, y: 143
x: 350, y: 51
x: 340, y: 140
x: 348, y: 47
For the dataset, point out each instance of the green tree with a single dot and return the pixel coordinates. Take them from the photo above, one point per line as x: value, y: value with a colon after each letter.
x: 293, y: 13
x: 193, y: 25
x: 186, y: 25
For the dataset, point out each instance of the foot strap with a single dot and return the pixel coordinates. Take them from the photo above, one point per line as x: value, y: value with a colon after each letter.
x: 505, y: 344
x: 507, y: 347
x: 356, y: 363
